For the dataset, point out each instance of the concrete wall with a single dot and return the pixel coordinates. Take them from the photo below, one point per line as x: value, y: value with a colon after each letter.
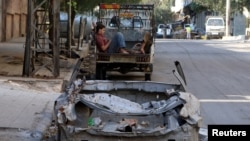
x: 238, y: 26
x: 14, y: 13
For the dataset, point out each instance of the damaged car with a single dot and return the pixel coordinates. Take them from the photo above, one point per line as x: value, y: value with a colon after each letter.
x: 105, y: 110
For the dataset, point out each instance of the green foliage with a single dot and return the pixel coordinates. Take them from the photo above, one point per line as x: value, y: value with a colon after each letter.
x: 210, y: 5
x: 73, y: 5
x: 163, y: 12
x: 196, y: 7
x: 163, y: 16
x: 220, y: 5
x: 239, y: 5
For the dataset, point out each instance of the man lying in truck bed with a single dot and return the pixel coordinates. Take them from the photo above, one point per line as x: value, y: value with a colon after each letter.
x: 117, y: 43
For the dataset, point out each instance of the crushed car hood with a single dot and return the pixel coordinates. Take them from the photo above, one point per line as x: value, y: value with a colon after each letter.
x: 123, y: 108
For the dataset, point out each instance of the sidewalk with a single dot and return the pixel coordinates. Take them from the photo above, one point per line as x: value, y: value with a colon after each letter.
x: 242, y: 38
x: 12, y: 57
x: 26, y: 103
x: 24, y: 107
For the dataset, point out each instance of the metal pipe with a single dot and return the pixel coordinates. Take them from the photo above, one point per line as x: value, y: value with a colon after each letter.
x: 227, y: 17
x: 69, y: 26
x: 26, y: 64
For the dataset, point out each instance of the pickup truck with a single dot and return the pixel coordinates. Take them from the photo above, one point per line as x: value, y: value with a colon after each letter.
x: 134, y: 21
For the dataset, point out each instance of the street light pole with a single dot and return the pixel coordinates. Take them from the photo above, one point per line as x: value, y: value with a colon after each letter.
x: 227, y: 17
x: 26, y: 62
x: 69, y: 26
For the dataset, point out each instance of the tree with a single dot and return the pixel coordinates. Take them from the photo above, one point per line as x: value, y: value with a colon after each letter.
x: 239, y: 5
x: 163, y: 12
x: 220, y: 5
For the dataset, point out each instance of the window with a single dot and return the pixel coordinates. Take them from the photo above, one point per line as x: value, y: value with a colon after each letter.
x: 215, y: 22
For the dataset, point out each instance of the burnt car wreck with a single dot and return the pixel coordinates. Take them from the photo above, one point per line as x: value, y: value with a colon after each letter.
x: 104, y: 110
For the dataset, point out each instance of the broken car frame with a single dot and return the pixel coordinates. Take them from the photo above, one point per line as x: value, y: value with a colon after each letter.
x: 104, y: 110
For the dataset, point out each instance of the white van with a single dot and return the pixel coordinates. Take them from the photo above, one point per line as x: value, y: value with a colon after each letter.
x: 215, y: 27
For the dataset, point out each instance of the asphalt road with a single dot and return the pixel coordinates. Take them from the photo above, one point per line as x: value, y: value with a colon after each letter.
x: 217, y: 73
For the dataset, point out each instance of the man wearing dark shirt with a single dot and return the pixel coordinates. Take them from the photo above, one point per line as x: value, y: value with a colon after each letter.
x: 116, y: 45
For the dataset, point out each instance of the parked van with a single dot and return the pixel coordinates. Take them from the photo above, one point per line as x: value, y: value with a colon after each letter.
x: 215, y: 27
x: 160, y: 30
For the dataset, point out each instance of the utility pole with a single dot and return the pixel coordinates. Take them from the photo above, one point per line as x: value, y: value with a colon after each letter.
x: 227, y: 17
x: 26, y: 63
x: 69, y: 26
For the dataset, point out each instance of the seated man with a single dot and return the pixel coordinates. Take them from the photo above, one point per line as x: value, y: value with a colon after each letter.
x: 117, y: 44
x: 144, y: 46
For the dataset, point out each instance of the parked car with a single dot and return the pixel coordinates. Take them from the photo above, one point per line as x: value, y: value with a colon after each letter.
x: 160, y: 31
x: 169, y: 31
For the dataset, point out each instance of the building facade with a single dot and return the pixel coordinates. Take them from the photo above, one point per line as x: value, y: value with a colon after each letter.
x: 13, y: 15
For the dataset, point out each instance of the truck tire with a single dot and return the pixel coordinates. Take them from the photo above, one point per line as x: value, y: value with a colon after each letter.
x: 147, y: 77
x: 100, y: 72
x: 148, y: 74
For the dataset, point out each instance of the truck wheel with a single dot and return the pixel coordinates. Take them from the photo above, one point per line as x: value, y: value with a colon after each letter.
x: 97, y: 71
x: 100, y: 72
x: 147, y: 77
x: 103, y: 75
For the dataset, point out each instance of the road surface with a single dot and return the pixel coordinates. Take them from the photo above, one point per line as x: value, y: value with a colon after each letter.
x: 217, y: 72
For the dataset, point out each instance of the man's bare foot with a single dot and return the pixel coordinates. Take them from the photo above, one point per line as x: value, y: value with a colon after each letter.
x: 123, y: 51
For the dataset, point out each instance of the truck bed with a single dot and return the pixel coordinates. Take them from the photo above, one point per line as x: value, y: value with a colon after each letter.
x: 132, y: 57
